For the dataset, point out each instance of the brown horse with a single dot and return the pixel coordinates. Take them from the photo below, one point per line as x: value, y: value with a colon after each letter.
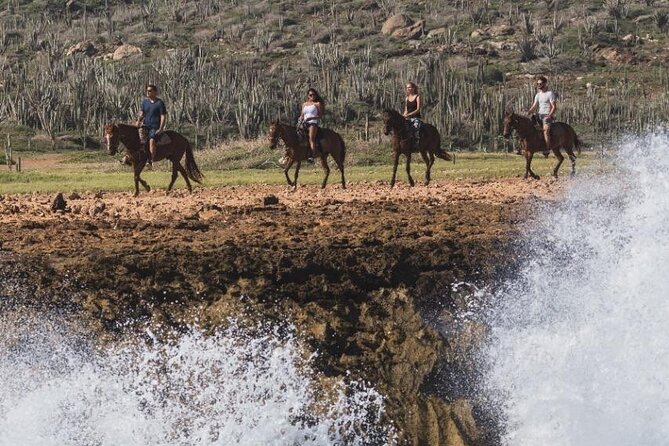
x: 137, y: 155
x: 403, y: 143
x: 297, y: 150
x: 562, y: 136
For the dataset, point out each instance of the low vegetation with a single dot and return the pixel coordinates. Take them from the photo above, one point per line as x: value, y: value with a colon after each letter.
x: 226, y: 68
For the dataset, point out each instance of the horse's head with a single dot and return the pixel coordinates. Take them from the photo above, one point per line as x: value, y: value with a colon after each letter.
x: 273, y: 134
x: 510, y: 122
x: 111, y: 135
x: 388, y: 121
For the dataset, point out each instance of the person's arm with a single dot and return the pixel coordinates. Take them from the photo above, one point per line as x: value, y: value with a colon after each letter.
x: 534, y: 106
x: 406, y: 112
x: 163, y: 116
x: 553, y: 109
x: 321, y: 109
x: 140, y: 119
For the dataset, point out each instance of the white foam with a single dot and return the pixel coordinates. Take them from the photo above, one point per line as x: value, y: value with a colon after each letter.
x: 579, y: 351
x: 228, y: 388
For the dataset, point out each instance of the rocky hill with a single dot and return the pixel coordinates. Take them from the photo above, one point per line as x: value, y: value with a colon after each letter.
x: 228, y: 67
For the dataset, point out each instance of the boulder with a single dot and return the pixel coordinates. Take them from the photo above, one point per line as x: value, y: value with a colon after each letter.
x: 125, y: 51
x: 501, y: 30
x: 479, y: 34
x: 396, y: 22
x: 270, y: 200
x: 437, y: 32
x: 86, y: 47
x: 58, y: 203
x: 414, y: 31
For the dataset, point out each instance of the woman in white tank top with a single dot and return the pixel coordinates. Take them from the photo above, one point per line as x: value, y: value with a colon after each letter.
x: 312, y: 111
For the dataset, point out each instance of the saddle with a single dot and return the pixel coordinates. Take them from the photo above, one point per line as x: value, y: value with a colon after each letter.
x: 163, y: 138
x: 302, y: 134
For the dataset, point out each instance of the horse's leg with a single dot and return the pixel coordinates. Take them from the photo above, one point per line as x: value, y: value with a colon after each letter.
x: 395, y: 163
x: 175, y: 174
x: 560, y: 158
x: 326, y: 168
x: 528, y: 163
x: 411, y: 182
x: 285, y: 171
x: 340, y: 165
x: 572, y: 158
x: 185, y: 175
x: 138, y: 167
x: 427, y: 166
x: 297, y: 171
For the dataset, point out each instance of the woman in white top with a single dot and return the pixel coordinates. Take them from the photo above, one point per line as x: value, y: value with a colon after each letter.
x: 312, y: 111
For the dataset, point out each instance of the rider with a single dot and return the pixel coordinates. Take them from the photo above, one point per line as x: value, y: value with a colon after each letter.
x: 312, y: 111
x: 546, y: 101
x: 412, y: 106
x: 153, y: 117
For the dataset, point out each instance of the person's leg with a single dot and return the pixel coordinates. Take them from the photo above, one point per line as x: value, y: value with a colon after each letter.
x: 547, y: 135
x: 152, y: 150
x: 313, y: 130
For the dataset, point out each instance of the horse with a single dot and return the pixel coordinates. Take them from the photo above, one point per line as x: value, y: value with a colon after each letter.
x: 331, y: 143
x: 403, y: 143
x: 138, y: 157
x: 562, y: 136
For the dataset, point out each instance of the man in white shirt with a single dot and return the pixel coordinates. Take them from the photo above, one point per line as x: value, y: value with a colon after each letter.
x: 545, y: 102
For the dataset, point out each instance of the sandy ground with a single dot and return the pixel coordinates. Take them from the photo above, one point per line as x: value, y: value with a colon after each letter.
x: 207, y: 203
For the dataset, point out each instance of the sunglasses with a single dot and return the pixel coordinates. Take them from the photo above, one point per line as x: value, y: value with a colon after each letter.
x: 540, y: 84
x: 150, y: 91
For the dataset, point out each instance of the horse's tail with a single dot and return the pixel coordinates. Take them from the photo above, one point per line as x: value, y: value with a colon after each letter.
x: 343, y: 149
x: 578, y: 144
x: 191, y: 167
x: 441, y: 153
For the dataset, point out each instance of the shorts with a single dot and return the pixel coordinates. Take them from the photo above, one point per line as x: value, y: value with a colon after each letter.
x: 152, y: 133
x: 312, y: 124
x: 546, y: 120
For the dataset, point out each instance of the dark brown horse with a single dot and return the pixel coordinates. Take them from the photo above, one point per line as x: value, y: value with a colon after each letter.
x: 297, y: 150
x: 403, y: 143
x: 137, y: 155
x: 562, y: 136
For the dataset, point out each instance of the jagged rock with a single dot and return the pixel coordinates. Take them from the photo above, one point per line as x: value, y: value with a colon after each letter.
x: 86, y: 47
x: 270, y: 200
x: 479, y: 33
x: 97, y: 209
x: 74, y: 196
x: 125, y: 51
x: 437, y: 32
x: 501, y: 30
x: 396, y: 22
x: 414, y: 31
x: 58, y: 203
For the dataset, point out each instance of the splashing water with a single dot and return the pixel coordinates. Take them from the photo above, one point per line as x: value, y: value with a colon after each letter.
x: 228, y: 388
x: 579, y: 351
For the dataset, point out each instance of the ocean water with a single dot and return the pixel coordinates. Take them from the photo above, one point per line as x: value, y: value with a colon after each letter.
x: 233, y: 387
x: 579, y: 343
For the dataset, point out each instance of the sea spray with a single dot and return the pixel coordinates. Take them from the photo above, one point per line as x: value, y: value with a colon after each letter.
x: 230, y: 387
x: 579, y: 340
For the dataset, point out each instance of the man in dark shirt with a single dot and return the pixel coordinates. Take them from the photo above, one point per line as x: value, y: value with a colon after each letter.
x: 153, y: 117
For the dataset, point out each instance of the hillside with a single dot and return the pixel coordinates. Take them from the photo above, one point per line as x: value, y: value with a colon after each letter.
x: 226, y: 68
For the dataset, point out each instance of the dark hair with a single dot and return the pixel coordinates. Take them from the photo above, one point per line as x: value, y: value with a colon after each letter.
x: 542, y: 79
x: 152, y: 87
x: 317, y: 96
